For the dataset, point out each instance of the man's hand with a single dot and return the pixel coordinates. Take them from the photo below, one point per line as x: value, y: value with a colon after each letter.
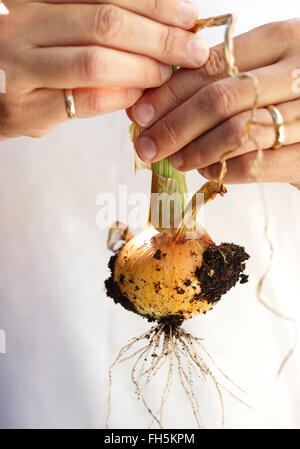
x: 107, y: 51
x: 201, y: 114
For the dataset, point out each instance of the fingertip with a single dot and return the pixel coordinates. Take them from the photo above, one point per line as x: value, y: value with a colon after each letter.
x: 187, y: 13
x: 206, y: 172
x: 166, y: 71
x: 128, y: 112
x: 198, y: 51
x: 146, y: 148
x: 177, y: 160
x: 133, y: 95
x: 143, y: 113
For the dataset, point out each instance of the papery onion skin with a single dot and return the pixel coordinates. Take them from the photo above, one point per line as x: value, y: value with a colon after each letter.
x: 157, y: 276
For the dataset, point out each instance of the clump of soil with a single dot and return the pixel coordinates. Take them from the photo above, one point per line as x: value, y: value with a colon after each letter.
x: 221, y: 269
x: 173, y: 320
x: 113, y: 289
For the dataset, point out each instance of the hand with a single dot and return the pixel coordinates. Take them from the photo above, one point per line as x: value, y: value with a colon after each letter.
x: 199, y: 115
x: 108, y: 51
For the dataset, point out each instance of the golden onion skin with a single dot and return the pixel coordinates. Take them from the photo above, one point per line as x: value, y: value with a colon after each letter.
x: 157, y: 274
x: 168, y: 278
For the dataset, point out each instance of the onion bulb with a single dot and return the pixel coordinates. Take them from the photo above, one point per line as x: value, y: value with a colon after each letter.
x: 164, y: 276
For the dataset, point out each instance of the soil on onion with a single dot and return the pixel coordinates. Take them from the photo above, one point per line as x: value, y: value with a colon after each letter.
x: 223, y: 266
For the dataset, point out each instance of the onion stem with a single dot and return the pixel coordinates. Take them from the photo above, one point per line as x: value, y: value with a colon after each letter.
x: 165, y: 169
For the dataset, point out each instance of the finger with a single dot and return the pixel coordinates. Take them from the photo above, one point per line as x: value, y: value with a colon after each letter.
x: 278, y: 166
x: 213, y: 105
x: 44, y: 109
x: 297, y: 185
x: 117, y: 28
x: 275, y: 37
x: 172, y: 12
x: 94, y: 102
x: 228, y: 136
x: 71, y: 67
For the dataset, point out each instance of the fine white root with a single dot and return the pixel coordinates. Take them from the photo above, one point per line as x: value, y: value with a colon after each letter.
x: 172, y: 346
x: 262, y: 281
x: 123, y: 350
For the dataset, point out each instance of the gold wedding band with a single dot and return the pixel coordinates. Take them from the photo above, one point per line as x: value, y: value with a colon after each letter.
x: 279, y: 126
x: 70, y: 104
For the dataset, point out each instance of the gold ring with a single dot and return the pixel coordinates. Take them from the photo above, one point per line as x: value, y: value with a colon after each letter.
x: 279, y: 126
x: 70, y: 104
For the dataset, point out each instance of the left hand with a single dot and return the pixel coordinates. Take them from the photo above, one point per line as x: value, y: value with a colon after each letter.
x: 200, y: 114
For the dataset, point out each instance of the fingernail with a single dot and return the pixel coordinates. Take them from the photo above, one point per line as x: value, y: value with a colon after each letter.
x: 177, y: 160
x: 198, y: 50
x: 143, y: 113
x: 187, y: 13
x: 145, y: 148
x: 205, y: 172
x: 166, y: 72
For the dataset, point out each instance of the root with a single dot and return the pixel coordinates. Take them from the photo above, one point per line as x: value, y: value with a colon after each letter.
x: 262, y: 282
x: 123, y: 350
x: 171, y: 345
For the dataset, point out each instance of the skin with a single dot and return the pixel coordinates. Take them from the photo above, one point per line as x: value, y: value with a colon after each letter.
x: 201, y: 114
x: 165, y: 292
x: 107, y: 51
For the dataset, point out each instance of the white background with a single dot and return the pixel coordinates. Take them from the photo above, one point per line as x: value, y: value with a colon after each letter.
x: 62, y: 332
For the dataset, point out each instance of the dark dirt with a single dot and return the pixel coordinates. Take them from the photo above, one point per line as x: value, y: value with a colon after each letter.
x: 113, y: 289
x: 173, y: 321
x: 157, y: 255
x: 221, y: 269
x: 180, y: 290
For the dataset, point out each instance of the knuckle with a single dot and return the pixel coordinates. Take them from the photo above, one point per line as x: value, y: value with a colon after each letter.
x: 289, y: 30
x: 198, y: 157
x: 14, y: 118
x: 169, y: 132
x: 11, y: 115
x: 219, y: 99
x: 170, y: 93
x: 91, y: 65
x: 234, y: 131
x: 107, y: 22
x: 215, y: 66
x: 168, y: 41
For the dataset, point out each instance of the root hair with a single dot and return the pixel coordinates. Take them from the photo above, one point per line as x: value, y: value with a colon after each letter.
x: 171, y: 345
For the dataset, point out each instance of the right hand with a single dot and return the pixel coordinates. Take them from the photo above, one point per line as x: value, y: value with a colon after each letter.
x: 108, y: 53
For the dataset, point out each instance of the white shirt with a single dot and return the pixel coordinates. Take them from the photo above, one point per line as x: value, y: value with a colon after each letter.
x: 62, y: 332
